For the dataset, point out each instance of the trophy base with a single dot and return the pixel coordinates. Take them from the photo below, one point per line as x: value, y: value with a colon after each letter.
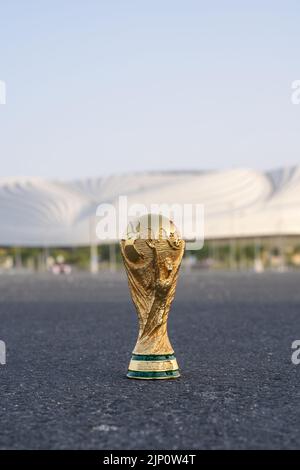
x: 153, y: 367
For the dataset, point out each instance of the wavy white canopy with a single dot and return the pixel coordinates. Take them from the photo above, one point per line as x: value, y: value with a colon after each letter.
x: 237, y: 203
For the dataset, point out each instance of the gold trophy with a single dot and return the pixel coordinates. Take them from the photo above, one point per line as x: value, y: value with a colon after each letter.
x: 152, y: 252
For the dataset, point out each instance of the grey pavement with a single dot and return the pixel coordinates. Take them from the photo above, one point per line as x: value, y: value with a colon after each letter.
x: 69, y: 341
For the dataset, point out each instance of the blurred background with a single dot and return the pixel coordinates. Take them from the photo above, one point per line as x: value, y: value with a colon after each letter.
x: 167, y: 102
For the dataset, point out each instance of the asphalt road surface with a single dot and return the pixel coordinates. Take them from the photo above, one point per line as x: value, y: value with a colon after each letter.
x: 69, y: 341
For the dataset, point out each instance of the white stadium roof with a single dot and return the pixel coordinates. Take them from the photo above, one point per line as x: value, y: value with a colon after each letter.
x: 237, y: 203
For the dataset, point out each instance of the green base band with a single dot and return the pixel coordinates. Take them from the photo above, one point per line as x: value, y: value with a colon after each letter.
x: 153, y: 366
x: 169, y: 374
x: 152, y: 357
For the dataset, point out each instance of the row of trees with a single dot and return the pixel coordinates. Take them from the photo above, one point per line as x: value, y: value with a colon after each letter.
x: 234, y: 254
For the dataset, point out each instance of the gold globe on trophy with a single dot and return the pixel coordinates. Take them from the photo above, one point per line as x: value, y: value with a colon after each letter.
x: 152, y: 251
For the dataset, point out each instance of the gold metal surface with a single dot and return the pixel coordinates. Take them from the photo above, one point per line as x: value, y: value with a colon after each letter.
x: 153, y: 366
x: 152, y: 252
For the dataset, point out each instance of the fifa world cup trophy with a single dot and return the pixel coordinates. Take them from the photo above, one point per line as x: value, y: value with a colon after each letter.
x: 152, y: 251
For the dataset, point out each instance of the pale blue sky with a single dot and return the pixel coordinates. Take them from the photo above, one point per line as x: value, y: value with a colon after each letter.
x: 95, y: 87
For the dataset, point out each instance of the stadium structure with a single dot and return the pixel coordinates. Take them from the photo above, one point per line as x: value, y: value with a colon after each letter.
x: 243, y: 208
